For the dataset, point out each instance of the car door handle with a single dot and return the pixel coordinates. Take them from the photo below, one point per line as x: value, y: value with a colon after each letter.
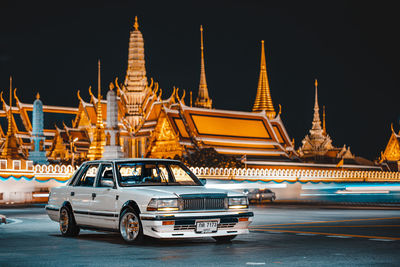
x: 93, y: 195
x: 72, y: 194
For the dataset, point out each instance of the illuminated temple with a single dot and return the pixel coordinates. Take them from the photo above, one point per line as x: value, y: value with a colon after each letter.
x: 317, y: 145
x: 150, y: 124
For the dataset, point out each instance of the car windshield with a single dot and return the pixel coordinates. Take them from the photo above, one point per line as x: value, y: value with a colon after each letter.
x: 155, y: 173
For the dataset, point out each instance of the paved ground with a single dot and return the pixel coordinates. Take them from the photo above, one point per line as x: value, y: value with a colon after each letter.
x: 281, y: 235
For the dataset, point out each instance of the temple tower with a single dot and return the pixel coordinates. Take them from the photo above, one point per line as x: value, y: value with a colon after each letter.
x: 112, y: 150
x: 10, y: 147
x: 203, y: 100
x: 98, y: 140
x: 38, y: 152
x: 316, y: 130
x: 316, y: 143
x: 135, y: 81
x: 263, y: 100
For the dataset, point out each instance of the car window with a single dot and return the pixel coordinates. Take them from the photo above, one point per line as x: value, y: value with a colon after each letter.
x: 130, y: 174
x: 88, y: 176
x: 106, y: 176
x: 75, y: 176
x: 180, y: 175
x: 154, y: 173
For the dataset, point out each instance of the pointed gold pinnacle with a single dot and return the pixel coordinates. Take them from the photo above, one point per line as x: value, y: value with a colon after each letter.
x: 136, y: 25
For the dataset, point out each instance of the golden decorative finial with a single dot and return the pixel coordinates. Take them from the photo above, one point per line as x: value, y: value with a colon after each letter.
x: 203, y: 100
x: 316, y: 83
x: 10, y: 91
x: 201, y: 33
x: 98, y: 142
x: 111, y: 86
x: 99, y: 110
x: 98, y: 82
x: 323, y: 121
x: 10, y: 147
x: 263, y: 100
x: 136, y: 25
x: 37, y: 96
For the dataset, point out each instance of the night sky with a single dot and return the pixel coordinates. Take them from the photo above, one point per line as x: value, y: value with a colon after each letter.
x: 352, y: 49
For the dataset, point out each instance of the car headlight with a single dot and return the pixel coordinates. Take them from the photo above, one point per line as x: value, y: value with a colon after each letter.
x: 238, y: 202
x: 160, y: 204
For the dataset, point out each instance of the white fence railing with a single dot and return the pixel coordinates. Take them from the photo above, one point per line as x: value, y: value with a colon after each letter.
x: 295, y: 174
x: 63, y: 172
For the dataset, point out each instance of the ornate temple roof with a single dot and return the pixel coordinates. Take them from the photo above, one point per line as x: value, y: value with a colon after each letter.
x: 230, y: 132
x: 392, y: 151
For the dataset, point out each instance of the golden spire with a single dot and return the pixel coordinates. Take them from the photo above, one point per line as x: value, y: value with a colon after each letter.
x: 323, y: 121
x: 136, y: 25
x: 203, y: 100
x: 263, y: 98
x: 316, y: 107
x: 10, y: 149
x: 98, y: 137
x: 38, y: 96
x: 10, y: 129
x: 316, y: 129
x: 99, y: 111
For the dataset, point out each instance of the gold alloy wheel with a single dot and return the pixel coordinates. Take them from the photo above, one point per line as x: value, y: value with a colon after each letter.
x: 129, y: 226
x: 64, y: 219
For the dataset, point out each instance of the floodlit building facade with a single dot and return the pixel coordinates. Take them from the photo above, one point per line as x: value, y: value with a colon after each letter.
x: 147, y: 124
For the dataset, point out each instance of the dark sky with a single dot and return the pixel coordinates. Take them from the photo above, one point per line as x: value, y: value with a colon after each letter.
x: 353, y: 50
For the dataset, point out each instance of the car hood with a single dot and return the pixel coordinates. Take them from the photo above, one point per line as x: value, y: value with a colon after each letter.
x: 177, y: 191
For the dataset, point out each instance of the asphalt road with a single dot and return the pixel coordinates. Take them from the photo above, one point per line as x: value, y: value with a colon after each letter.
x: 281, y: 235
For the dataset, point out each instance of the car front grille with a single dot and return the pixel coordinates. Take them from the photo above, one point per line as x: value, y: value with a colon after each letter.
x: 213, y: 201
x: 203, y: 203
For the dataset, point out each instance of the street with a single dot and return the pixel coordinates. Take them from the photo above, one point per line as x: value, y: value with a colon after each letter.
x: 294, y: 235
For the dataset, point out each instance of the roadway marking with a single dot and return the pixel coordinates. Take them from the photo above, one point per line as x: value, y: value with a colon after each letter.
x: 306, y: 234
x: 328, y: 226
x: 351, y: 220
x: 330, y: 234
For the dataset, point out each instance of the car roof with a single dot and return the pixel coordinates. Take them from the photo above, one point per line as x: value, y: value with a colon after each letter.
x: 130, y: 160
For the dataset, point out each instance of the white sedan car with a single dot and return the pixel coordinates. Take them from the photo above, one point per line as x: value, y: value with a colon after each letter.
x: 152, y: 197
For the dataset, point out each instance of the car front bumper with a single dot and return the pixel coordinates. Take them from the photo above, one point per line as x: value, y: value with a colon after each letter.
x: 183, y: 225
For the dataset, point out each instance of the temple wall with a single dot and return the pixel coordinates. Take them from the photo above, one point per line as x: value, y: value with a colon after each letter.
x: 33, y: 184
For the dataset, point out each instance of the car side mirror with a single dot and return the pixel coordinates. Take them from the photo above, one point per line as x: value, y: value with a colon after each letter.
x: 107, y: 183
x: 203, y: 181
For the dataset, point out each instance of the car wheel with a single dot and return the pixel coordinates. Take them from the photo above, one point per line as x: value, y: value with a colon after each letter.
x: 67, y: 222
x: 224, y: 239
x: 130, y: 226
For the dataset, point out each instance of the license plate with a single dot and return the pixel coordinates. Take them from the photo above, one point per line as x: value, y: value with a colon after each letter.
x: 206, y: 226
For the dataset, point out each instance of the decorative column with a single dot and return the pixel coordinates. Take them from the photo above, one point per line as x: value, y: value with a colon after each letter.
x: 112, y: 150
x: 38, y: 152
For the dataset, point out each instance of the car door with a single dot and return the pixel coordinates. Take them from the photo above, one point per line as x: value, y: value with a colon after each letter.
x: 81, y: 195
x: 104, y: 202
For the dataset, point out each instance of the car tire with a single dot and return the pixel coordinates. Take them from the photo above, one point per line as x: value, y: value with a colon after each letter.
x: 67, y: 222
x: 224, y: 239
x: 130, y: 226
